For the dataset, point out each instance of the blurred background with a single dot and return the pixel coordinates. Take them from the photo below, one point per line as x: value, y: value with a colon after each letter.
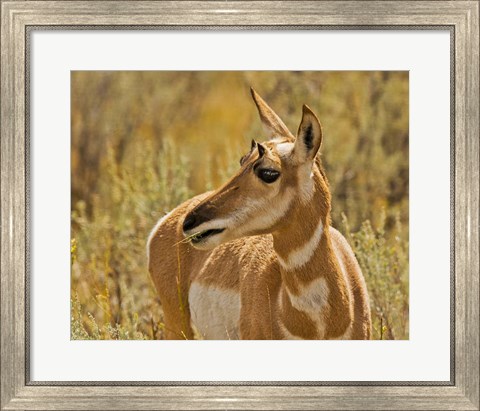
x: 143, y: 142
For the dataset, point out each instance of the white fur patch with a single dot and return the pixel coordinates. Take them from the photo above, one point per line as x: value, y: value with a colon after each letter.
x: 215, y: 312
x: 284, y: 149
x: 154, y: 231
x: 302, y: 255
x: 312, y: 300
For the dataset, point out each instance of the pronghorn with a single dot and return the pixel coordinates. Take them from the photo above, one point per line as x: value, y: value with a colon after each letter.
x: 258, y: 258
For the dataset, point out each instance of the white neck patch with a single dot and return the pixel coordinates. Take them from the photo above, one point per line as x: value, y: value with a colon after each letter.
x: 303, y: 254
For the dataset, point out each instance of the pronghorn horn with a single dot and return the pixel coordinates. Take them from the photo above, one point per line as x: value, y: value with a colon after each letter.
x: 271, y: 122
x: 261, y: 150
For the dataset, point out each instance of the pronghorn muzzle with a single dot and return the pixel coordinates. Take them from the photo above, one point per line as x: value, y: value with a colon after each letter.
x: 192, y: 227
x: 190, y: 222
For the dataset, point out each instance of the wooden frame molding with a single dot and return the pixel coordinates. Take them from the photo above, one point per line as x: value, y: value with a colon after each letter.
x: 19, y: 393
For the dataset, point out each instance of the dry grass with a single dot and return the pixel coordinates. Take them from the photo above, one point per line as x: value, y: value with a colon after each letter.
x: 143, y: 142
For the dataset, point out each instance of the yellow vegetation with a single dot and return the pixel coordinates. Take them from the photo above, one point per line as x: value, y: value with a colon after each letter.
x: 142, y: 142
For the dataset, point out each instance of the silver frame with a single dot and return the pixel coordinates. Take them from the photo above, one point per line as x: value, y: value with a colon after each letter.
x: 19, y: 18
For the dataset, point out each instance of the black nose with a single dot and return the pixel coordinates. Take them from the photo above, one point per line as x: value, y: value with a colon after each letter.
x: 190, y: 222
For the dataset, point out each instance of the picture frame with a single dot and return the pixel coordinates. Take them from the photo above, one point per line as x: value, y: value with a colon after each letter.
x: 18, y: 392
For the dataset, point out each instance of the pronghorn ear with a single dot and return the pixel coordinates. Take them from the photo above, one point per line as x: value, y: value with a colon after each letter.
x: 271, y: 122
x: 309, y: 136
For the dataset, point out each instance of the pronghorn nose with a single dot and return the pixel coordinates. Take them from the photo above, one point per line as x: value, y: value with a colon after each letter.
x: 190, y: 222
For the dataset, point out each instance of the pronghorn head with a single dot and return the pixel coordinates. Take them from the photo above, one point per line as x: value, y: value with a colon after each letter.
x: 275, y: 178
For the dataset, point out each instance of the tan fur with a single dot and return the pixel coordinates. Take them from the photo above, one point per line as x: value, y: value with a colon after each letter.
x: 323, y: 297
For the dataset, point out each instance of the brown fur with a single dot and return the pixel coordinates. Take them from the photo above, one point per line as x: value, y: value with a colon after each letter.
x: 249, y: 266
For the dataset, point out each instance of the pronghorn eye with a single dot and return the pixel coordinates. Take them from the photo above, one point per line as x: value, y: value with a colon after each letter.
x: 268, y: 175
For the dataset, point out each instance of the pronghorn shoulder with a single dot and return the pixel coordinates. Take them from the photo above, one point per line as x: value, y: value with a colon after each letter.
x: 336, y: 234
x: 340, y: 243
x: 342, y: 248
x: 347, y: 261
x: 344, y: 254
x: 356, y: 285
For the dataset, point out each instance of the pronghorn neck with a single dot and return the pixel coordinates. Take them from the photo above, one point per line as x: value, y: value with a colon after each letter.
x: 297, y: 241
x: 304, y: 239
x: 313, y: 289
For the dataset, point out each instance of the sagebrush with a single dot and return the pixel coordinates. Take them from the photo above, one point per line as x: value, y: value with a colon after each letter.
x: 143, y: 142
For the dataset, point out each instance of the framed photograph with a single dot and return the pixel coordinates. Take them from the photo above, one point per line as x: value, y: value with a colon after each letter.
x: 240, y: 205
